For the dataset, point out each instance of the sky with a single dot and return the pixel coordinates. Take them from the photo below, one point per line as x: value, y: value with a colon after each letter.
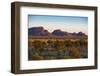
x: 64, y: 23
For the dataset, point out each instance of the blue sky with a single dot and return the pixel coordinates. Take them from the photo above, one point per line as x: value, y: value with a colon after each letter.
x: 65, y: 23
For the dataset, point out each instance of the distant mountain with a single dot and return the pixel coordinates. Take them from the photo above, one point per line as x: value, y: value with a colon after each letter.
x: 59, y: 33
x: 81, y: 34
x: 40, y: 31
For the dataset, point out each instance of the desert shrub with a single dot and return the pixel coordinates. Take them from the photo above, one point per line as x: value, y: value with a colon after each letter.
x: 37, y: 45
x: 30, y: 43
x: 59, y: 45
x: 74, y: 53
x: 66, y: 57
x: 68, y: 43
x: 83, y: 43
x: 76, y: 43
x: 37, y: 57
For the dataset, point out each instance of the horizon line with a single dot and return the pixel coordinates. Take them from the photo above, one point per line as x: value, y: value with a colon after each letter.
x: 58, y: 29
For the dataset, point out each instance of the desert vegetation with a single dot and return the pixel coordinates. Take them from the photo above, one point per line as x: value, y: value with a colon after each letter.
x: 48, y: 49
